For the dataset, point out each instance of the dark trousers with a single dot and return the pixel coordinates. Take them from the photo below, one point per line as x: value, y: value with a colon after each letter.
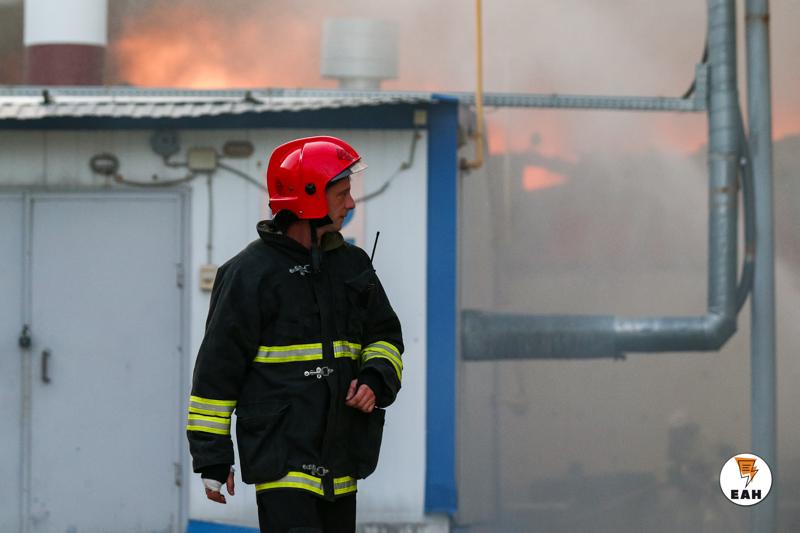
x: 297, y: 511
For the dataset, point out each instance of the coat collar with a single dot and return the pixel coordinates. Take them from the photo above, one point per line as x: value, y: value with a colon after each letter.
x: 270, y: 235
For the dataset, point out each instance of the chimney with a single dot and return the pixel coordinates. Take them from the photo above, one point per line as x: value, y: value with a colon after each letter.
x: 360, y: 53
x: 65, y: 42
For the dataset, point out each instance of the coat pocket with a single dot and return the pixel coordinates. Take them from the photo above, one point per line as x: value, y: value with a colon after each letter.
x: 260, y: 434
x: 365, y: 441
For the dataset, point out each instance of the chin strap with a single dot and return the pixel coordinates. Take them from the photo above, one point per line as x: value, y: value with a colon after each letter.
x: 316, y: 252
x: 316, y: 257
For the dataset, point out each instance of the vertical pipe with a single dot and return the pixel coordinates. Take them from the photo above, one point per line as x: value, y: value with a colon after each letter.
x: 479, y: 82
x: 763, y: 300
x: 723, y: 158
x: 27, y: 371
x: 479, y: 126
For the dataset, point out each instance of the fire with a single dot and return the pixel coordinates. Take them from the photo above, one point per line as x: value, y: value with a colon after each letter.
x: 202, y: 46
x: 535, y: 178
x: 786, y: 122
x: 182, y: 45
x: 521, y: 130
x: 687, y: 133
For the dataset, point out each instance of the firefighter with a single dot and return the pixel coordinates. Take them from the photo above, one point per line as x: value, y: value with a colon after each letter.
x: 302, y: 344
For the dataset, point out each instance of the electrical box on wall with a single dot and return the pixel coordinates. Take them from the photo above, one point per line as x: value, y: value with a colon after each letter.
x: 201, y: 159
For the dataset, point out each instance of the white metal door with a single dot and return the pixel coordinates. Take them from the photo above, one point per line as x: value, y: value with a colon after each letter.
x: 106, y: 366
x: 11, y: 324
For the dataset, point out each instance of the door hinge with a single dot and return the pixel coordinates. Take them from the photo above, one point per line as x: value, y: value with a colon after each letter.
x: 179, y: 274
x: 24, y: 340
x: 178, y: 474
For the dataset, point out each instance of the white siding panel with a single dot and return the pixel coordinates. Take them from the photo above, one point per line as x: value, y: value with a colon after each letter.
x: 22, y: 157
x: 396, y: 491
x: 61, y: 158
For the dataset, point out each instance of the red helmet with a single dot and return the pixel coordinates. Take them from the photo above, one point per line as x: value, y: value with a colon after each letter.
x: 299, y: 171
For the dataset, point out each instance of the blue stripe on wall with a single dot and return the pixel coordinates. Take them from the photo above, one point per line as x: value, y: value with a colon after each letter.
x: 198, y: 526
x: 440, y: 444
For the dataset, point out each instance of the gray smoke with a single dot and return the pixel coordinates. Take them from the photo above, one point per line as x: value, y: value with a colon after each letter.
x: 623, y: 446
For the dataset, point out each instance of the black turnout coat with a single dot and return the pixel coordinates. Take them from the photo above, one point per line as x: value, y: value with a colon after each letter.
x: 281, y: 346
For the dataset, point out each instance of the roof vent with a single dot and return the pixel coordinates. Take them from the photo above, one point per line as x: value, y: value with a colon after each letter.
x: 360, y: 53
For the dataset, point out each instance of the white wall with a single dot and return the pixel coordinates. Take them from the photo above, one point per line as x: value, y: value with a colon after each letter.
x: 61, y: 159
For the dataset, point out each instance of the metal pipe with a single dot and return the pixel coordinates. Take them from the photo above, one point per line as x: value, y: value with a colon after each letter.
x: 746, y: 183
x: 490, y: 335
x: 478, y: 136
x: 762, y: 342
x: 697, y: 103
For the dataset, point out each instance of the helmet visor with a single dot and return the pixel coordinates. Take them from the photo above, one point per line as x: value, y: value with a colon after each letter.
x: 356, y: 167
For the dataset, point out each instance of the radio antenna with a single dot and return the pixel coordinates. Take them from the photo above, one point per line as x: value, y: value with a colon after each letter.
x: 374, y: 246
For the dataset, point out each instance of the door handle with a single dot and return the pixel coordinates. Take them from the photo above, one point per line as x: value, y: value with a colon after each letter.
x: 45, y: 366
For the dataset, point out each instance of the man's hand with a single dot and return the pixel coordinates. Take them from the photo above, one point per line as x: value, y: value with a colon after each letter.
x: 363, y: 400
x: 213, y: 487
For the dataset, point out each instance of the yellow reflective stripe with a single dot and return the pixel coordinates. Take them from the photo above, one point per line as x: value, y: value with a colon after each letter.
x: 227, y: 403
x: 289, y: 353
x: 294, y: 480
x: 373, y: 349
x: 193, y: 409
x: 216, y: 419
x: 385, y: 350
x: 306, y: 352
x: 209, y: 424
x: 289, y: 485
x: 344, y: 485
x: 352, y: 345
x: 291, y: 347
x: 301, y: 480
x: 347, y: 349
x: 345, y: 490
x: 287, y: 359
x: 388, y: 346
x: 397, y: 369
x: 208, y: 430
x: 207, y: 406
x: 303, y: 475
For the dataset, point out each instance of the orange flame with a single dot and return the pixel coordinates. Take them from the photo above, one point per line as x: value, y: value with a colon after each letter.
x: 207, y: 51
x: 545, y: 135
x: 786, y: 122
x: 535, y: 178
x: 194, y: 45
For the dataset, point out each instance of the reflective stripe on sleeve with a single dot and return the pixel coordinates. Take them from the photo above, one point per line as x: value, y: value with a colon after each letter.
x: 384, y: 350
x: 209, y: 424
x: 344, y: 485
x: 207, y: 406
x: 347, y: 349
x: 290, y: 353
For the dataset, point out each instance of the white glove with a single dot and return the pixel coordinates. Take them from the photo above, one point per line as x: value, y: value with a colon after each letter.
x: 212, y: 484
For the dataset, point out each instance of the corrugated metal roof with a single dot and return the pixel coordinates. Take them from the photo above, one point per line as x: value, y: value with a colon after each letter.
x: 31, y: 103
x: 34, y: 103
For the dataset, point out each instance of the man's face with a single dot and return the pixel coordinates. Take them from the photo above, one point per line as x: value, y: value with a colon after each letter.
x: 340, y: 202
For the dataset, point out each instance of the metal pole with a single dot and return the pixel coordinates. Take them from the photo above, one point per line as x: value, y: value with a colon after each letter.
x: 763, y: 518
